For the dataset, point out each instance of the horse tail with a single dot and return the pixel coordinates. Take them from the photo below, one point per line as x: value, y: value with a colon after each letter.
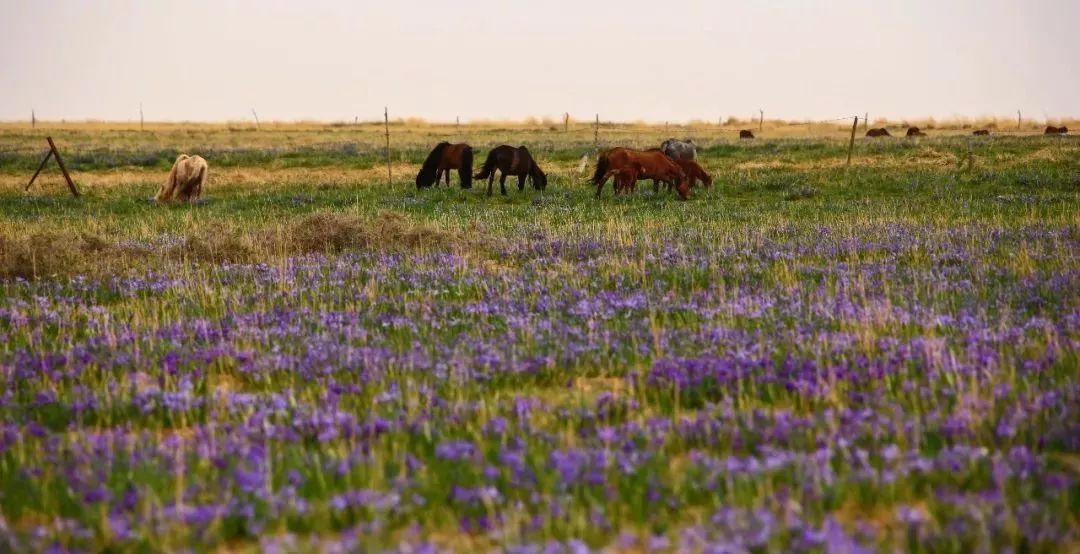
x: 488, y: 167
x: 426, y: 177
x: 465, y: 173
x: 600, y: 175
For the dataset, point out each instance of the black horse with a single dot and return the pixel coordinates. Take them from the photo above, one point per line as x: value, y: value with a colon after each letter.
x: 512, y: 161
x: 441, y: 160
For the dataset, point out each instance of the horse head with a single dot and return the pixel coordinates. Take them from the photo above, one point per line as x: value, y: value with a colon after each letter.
x: 539, y: 178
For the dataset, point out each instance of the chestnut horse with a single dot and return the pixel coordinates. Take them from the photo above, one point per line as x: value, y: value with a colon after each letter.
x: 1051, y: 130
x: 694, y: 172
x: 441, y: 160
x: 627, y: 166
x: 512, y: 161
x: 880, y: 132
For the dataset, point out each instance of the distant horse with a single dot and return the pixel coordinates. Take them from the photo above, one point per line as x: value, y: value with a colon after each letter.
x: 441, y: 160
x: 185, y: 181
x: 915, y: 132
x: 746, y: 134
x: 679, y: 149
x: 880, y: 132
x: 1051, y: 130
x: 512, y: 161
x: 627, y: 166
x: 981, y: 133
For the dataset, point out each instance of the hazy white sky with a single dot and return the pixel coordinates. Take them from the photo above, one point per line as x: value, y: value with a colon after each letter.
x: 626, y: 59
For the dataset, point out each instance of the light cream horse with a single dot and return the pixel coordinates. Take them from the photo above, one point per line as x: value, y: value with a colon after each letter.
x: 185, y: 181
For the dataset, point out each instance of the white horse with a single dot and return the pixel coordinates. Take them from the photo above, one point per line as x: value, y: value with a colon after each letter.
x: 186, y: 180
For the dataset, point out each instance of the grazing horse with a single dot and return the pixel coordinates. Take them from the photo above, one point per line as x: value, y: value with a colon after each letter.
x: 694, y: 173
x: 512, y: 161
x: 627, y: 166
x: 981, y: 133
x: 679, y: 149
x: 1051, y: 130
x: 441, y: 160
x: 746, y: 134
x: 915, y: 132
x: 879, y: 132
x: 185, y: 181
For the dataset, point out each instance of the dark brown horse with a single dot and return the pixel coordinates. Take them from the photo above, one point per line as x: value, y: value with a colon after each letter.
x: 982, y: 133
x: 628, y: 166
x: 1051, y: 130
x: 441, y: 160
x: 880, y: 132
x: 915, y: 132
x: 746, y: 134
x: 512, y: 161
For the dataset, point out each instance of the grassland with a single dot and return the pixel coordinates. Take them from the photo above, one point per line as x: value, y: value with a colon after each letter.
x: 804, y: 357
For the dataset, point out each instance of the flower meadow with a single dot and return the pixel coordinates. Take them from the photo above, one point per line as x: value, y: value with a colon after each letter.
x: 804, y: 358
x: 806, y: 389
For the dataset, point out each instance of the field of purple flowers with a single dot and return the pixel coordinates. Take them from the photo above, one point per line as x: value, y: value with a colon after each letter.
x: 808, y: 389
x: 838, y: 369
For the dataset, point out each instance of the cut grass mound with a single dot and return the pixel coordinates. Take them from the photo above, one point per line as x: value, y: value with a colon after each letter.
x: 67, y: 252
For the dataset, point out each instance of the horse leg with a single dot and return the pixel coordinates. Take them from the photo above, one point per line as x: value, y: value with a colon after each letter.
x: 447, y: 174
x: 521, y: 182
x: 502, y: 183
x: 655, y: 186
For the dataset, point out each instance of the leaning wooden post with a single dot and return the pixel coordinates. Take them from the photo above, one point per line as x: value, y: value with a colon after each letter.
x: 566, y: 122
x: 851, y: 143
x: 761, y: 120
x: 54, y: 152
x: 1017, y: 120
x: 33, y: 120
x: 256, y: 118
x: 386, y: 122
x: 596, y: 132
x: 140, y: 117
x: 39, y: 168
x: 866, y: 121
x: 60, y: 162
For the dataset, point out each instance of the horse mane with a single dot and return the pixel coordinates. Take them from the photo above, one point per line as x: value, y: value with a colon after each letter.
x: 165, y: 193
x: 465, y: 173
x: 539, y: 178
x: 426, y: 177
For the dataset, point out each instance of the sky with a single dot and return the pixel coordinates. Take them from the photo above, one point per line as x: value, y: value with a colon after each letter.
x: 626, y: 60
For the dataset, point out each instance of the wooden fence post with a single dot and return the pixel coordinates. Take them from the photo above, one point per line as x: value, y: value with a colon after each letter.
x: 1018, y: 120
x: 33, y: 120
x: 566, y: 122
x: 596, y: 132
x: 54, y: 152
x: 851, y: 143
x: 386, y: 122
x: 256, y: 118
x: 140, y: 117
x: 866, y: 121
x: 761, y: 120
